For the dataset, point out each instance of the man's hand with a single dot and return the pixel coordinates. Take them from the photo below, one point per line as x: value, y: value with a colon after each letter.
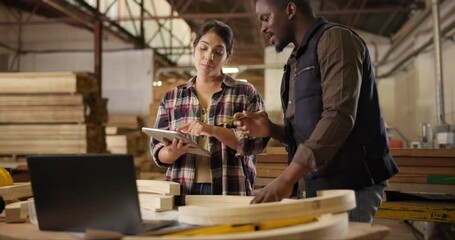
x: 253, y: 124
x: 274, y: 191
x: 283, y: 185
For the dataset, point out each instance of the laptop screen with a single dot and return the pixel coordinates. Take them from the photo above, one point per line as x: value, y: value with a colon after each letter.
x: 76, y: 192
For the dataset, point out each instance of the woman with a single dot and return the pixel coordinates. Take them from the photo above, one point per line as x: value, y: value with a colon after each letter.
x: 198, y: 108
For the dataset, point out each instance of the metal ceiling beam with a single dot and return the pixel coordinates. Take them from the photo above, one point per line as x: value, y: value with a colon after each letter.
x: 190, y: 16
x: 234, y: 9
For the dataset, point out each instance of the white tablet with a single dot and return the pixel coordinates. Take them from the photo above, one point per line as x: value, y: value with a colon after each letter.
x: 159, y: 134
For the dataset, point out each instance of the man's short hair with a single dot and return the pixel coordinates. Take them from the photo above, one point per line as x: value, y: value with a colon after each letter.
x: 303, y: 6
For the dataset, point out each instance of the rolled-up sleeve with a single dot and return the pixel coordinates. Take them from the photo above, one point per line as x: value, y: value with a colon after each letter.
x: 247, y: 145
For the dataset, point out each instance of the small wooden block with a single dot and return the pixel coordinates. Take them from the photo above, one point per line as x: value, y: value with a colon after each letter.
x: 157, y: 186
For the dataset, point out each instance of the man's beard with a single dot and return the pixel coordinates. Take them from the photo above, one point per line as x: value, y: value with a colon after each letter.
x: 280, y: 47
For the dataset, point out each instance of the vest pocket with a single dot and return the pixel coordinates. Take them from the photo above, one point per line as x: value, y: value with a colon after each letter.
x: 304, y: 69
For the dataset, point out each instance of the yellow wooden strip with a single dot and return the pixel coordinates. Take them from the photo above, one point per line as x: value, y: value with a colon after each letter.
x: 220, y: 229
x: 430, y: 212
x: 285, y: 222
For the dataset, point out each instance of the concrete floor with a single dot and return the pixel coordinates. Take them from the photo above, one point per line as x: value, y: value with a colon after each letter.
x: 399, y: 230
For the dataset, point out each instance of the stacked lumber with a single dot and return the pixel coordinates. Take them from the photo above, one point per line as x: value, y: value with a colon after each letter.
x: 270, y: 165
x: 425, y: 166
x: 123, y: 135
x: 157, y: 195
x: 50, y: 113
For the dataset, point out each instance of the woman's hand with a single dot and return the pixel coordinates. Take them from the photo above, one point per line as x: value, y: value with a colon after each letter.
x: 172, y: 150
x: 197, y: 128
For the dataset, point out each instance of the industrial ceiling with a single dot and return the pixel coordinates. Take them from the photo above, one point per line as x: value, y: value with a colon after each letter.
x: 380, y: 17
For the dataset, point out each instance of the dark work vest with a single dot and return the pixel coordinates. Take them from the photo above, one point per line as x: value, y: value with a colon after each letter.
x: 364, y: 158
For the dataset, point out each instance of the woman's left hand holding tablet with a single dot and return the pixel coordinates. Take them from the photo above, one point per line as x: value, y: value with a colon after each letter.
x: 172, y: 150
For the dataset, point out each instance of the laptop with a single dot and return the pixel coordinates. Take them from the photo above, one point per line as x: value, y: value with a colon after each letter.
x: 97, y: 191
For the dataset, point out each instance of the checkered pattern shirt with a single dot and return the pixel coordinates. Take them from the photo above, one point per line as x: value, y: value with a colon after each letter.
x: 233, y: 170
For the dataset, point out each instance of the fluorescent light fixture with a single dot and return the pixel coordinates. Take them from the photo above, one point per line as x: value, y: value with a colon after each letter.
x: 242, y: 80
x: 230, y: 70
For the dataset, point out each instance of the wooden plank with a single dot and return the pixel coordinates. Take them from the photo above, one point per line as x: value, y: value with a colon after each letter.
x: 276, y: 150
x: 423, y: 179
x: 272, y: 158
x: 278, y: 166
x: 42, y: 114
x: 409, y: 178
x: 48, y: 82
x: 18, y: 190
x: 215, y: 200
x: 263, y: 181
x: 448, y: 171
x: 413, y: 152
x: 156, y: 202
x: 157, y: 186
x: 269, y: 173
x: 425, y: 161
x: 41, y: 100
x: 418, y: 211
x: 421, y: 188
x: 327, y: 202
x: 47, y: 149
x: 16, y: 212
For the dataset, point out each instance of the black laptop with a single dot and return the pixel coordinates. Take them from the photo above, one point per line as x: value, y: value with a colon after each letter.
x: 76, y: 192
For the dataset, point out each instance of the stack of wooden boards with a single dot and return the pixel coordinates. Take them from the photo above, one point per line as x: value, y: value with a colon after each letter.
x: 124, y: 135
x: 424, y: 188
x: 157, y: 195
x: 270, y: 165
x: 51, y: 113
x: 425, y: 166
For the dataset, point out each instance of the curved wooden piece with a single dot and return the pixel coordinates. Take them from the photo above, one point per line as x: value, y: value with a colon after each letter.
x: 328, y: 227
x: 329, y: 201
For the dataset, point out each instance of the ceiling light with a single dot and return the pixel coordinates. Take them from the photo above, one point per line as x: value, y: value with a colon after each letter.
x: 230, y: 70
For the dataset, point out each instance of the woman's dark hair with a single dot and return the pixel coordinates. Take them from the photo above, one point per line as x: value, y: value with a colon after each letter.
x: 219, y: 28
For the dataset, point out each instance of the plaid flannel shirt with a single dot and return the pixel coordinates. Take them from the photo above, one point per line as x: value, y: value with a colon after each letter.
x: 233, y: 170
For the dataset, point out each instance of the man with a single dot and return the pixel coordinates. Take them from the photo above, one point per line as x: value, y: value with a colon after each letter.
x: 334, y: 132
